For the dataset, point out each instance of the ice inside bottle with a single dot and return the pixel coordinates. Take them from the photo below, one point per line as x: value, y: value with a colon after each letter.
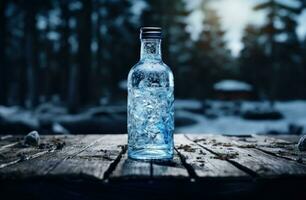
x: 150, y: 101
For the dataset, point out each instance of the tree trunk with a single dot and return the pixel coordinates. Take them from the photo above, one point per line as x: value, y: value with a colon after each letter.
x: 3, y: 69
x: 84, y: 57
x: 73, y: 101
x: 64, y: 57
x: 31, y: 59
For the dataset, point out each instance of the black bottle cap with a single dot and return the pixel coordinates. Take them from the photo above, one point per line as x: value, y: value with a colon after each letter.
x: 150, y: 33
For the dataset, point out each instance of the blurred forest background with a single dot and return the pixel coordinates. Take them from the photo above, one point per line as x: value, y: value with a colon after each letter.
x: 64, y: 63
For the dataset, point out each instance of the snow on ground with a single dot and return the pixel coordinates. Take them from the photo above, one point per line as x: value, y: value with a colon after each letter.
x: 187, y: 103
x: 220, y: 117
x: 294, y: 113
x: 232, y: 85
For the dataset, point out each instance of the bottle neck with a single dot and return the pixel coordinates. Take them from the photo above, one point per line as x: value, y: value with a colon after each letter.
x: 150, y: 49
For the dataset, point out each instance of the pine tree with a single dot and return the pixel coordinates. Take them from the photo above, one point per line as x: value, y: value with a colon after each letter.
x: 84, y: 61
x: 171, y: 16
x: 65, y: 49
x: 281, y: 46
x: 303, y: 7
x: 304, y: 65
x: 117, y: 46
x: 253, y: 61
x: 3, y: 67
x: 30, y: 52
x: 211, y: 57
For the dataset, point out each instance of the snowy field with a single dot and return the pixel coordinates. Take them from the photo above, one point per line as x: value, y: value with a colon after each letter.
x: 294, y: 113
x: 191, y: 116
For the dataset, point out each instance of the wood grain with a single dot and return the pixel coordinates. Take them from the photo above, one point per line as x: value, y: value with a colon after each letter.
x: 130, y: 168
x: 97, y: 167
x: 202, y: 161
x: 7, y: 141
x: 169, y: 168
x: 252, y: 160
x: 41, y: 165
x: 196, y: 156
x: 95, y: 160
x: 277, y: 146
x: 16, y: 151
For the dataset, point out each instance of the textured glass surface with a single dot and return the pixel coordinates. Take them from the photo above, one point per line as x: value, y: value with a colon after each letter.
x: 150, y: 106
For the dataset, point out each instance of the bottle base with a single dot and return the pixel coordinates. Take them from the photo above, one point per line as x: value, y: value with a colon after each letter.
x: 150, y: 154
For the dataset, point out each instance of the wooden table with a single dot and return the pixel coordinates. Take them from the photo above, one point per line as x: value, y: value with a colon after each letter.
x: 204, y: 166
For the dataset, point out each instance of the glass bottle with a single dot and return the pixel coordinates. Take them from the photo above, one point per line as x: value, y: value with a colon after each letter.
x: 150, y: 101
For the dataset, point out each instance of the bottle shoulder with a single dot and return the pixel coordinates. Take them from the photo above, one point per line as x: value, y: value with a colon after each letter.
x: 153, y: 72
x: 151, y: 67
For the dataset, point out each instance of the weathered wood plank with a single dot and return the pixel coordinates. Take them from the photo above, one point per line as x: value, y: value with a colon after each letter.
x: 273, y: 145
x: 148, y: 169
x: 288, y: 138
x: 259, y: 140
x: 169, y: 168
x: 5, y: 137
x: 288, y: 152
x: 283, y: 146
x: 15, y: 155
x: 17, y: 152
x: 99, y: 156
x: 251, y: 160
x: 42, y: 165
x: 202, y: 162
x: 7, y: 141
x: 95, y: 160
x: 130, y: 168
x: 4, y: 147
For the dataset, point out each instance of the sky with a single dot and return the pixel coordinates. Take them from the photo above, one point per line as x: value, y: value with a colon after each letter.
x: 235, y: 15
